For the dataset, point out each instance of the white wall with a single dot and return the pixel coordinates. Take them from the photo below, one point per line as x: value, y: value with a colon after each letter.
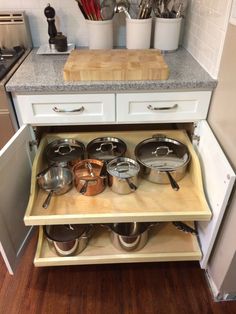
x: 205, y: 30
x: 205, y: 26
x: 69, y: 20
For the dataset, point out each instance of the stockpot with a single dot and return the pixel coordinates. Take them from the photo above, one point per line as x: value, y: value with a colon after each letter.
x: 68, y: 239
x: 123, y: 175
x: 129, y: 236
x: 64, y: 152
x: 106, y: 148
x: 162, y: 160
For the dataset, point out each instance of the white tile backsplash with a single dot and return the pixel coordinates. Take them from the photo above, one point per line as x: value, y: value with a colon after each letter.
x: 205, y: 30
x: 205, y: 26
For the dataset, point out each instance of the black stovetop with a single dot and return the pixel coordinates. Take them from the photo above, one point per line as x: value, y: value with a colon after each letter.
x: 8, y: 57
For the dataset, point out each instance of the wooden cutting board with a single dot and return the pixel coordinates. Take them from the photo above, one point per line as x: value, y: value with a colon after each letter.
x: 115, y: 65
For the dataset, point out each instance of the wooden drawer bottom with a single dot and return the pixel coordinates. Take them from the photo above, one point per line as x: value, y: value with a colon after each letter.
x: 165, y: 243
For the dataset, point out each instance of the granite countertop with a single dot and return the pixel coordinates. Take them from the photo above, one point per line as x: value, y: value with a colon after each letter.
x: 44, y: 73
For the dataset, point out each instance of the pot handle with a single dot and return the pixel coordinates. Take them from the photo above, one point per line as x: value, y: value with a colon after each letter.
x: 66, y: 252
x: 129, y: 245
x: 67, y: 150
x: 83, y: 190
x: 132, y: 186
x: 173, y: 183
x: 120, y: 164
x: 162, y: 151
x: 44, y: 171
x: 48, y: 199
x: 184, y: 227
x: 106, y: 147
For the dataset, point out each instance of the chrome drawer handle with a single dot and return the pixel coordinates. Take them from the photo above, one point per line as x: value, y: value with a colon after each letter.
x: 150, y: 107
x: 81, y: 109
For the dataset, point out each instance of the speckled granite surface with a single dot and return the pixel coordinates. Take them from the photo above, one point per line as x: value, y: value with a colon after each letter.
x: 44, y: 73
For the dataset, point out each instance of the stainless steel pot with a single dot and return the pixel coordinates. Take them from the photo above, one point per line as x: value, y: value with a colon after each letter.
x: 106, y: 148
x: 68, y: 240
x: 123, y: 175
x: 64, y: 152
x: 162, y: 160
x: 131, y: 236
x: 57, y: 180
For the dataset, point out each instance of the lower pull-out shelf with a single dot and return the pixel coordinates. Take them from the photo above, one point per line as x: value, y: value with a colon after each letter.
x: 165, y: 243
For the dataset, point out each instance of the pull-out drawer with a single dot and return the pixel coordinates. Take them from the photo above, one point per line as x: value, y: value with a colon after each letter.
x: 151, y: 202
x: 162, y: 107
x: 165, y: 243
x: 65, y: 109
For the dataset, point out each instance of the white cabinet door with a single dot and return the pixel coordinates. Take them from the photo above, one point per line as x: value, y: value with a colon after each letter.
x: 218, y: 177
x: 15, y: 171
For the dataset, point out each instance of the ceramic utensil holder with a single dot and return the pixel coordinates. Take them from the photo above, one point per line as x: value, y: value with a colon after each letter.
x: 138, y: 33
x: 167, y: 33
x: 100, y: 34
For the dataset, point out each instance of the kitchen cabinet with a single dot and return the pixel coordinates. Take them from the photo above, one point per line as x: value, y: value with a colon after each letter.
x: 151, y: 202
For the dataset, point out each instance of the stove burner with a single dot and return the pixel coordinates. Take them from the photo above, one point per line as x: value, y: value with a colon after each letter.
x: 8, y: 57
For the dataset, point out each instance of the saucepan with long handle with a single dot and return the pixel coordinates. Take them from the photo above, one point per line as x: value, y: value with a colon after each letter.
x: 57, y: 180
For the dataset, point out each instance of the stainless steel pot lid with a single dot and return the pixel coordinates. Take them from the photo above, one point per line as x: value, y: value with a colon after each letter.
x: 64, y: 150
x: 123, y: 167
x: 64, y: 233
x: 162, y: 153
x: 106, y: 148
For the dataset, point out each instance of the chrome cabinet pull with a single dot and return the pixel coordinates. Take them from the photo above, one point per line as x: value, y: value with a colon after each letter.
x: 150, y: 107
x: 81, y: 109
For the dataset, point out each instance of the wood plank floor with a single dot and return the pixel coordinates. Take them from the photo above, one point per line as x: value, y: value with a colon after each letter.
x: 158, y: 288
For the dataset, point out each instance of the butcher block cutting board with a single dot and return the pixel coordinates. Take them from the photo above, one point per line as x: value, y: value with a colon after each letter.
x: 115, y: 65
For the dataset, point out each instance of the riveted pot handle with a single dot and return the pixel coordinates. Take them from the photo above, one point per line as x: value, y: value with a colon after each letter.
x: 64, y: 150
x: 173, y: 183
x: 106, y: 147
x: 132, y: 186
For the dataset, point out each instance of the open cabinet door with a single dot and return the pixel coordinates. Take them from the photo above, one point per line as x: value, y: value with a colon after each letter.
x: 16, y: 159
x: 218, y: 177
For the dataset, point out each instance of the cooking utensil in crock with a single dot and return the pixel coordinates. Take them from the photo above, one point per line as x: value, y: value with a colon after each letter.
x: 162, y: 160
x: 57, y: 180
x: 64, y: 151
x: 106, y: 148
x: 130, y: 236
x: 68, y: 240
x: 123, y: 175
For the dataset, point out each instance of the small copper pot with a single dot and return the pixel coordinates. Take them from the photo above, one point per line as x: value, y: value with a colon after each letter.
x: 87, y: 177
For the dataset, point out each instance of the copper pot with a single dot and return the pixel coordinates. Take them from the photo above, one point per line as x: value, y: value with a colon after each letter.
x: 88, y: 179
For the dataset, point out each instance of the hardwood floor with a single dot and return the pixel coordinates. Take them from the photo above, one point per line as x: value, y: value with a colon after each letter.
x: 158, y: 288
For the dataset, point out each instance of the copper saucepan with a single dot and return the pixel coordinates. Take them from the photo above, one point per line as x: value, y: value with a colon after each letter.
x: 88, y: 179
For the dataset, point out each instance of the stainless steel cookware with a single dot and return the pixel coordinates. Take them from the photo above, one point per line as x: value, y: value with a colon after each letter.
x: 68, y: 240
x: 123, y: 175
x: 64, y: 152
x: 162, y: 160
x: 57, y: 180
x: 130, y: 236
x: 106, y: 148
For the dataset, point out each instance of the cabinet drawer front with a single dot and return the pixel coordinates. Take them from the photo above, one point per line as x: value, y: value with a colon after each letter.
x: 163, y: 107
x: 66, y: 109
